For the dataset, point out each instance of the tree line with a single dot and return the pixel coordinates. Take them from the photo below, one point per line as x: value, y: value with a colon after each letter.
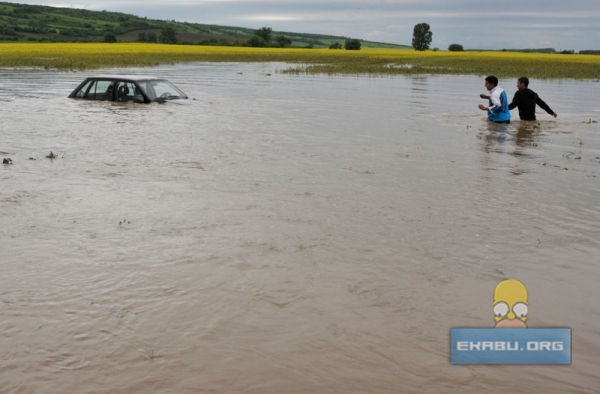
x: 43, y: 23
x: 168, y: 35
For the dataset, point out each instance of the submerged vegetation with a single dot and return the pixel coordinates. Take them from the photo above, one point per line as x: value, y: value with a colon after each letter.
x: 369, y: 61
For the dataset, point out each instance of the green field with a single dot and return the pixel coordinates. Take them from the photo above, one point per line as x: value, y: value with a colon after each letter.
x: 29, y: 23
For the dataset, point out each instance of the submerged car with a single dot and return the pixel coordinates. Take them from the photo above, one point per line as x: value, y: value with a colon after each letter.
x: 122, y: 88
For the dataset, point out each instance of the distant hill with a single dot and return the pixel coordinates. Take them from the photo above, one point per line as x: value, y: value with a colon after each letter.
x: 23, y: 22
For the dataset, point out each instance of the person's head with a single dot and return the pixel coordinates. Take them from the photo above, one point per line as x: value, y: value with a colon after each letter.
x: 491, y: 82
x: 522, y: 83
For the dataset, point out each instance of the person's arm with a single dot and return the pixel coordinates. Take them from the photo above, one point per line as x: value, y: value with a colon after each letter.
x: 495, y: 102
x: 515, y: 101
x: 481, y: 106
x: 544, y: 106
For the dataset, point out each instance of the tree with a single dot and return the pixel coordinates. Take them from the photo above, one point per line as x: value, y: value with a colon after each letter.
x: 151, y: 37
x: 422, y: 36
x: 168, y: 35
x: 142, y: 37
x: 283, y: 41
x: 265, y: 33
x: 335, y: 45
x: 352, y: 44
x: 256, y: 41
x: 110, y: 37
x: 455, y: 48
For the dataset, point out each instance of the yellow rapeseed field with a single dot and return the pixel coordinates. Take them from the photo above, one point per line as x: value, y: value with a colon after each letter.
x: 79, y: 56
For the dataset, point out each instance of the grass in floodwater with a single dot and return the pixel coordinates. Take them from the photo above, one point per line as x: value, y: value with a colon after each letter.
x: 367, y: 61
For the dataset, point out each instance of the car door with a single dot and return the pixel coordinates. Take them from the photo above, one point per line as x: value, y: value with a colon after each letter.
x: 126, y: 91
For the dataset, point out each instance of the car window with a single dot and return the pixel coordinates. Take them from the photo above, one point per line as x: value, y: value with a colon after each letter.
x: 138, y: 97
x: 100, y: 90
x: 84, y: 88
x: 125, y: 91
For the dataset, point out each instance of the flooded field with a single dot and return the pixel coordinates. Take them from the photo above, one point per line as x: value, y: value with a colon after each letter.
x: 289, y: 234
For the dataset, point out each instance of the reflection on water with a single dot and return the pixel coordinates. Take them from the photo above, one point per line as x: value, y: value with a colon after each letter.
x: 525, y: 134
x: 286, y: 234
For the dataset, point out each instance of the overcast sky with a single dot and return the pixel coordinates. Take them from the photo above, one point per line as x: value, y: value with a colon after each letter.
x: 511, y: 24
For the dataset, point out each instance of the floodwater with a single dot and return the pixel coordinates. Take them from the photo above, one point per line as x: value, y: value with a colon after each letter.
x: 290, y: 234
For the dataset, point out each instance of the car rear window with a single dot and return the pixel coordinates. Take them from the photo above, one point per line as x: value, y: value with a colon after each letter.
x: 100, y: 90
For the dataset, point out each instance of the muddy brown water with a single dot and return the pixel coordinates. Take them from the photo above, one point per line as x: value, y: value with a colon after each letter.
x: 289, y: 234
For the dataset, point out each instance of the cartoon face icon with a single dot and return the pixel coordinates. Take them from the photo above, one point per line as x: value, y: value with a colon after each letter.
x: 510, y: 304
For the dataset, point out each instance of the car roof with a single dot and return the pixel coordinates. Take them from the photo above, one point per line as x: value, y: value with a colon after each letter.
x: 124, y: 77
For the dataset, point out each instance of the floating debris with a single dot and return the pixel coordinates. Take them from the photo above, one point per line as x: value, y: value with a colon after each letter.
x: 569, y: 154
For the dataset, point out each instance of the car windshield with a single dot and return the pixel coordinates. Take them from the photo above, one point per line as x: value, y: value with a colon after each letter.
x: 160, y: 89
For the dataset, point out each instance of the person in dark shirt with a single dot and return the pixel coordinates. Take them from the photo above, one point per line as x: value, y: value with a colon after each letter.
x: 526, y: 100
